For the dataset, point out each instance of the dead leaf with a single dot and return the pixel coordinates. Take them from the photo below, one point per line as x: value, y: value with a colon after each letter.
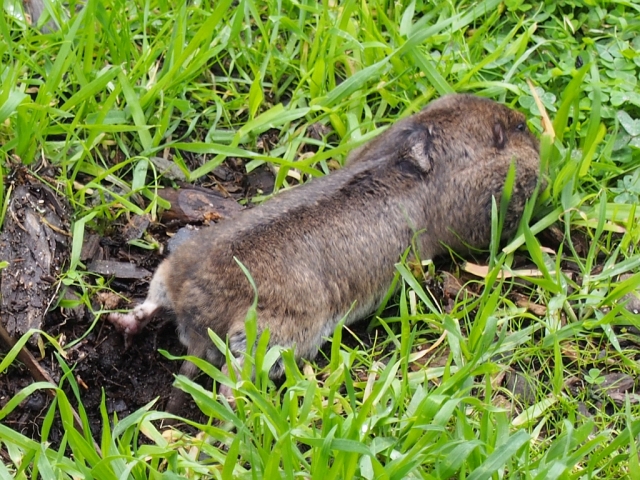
x: 109, y: 300
x: 483, y: 271
x: 193, y: 204
x: 451, y: 285
x: 546, y: 123
x: 524, y: 302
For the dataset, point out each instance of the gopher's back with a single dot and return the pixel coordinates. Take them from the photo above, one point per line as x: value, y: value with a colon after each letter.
x: 314, y: 252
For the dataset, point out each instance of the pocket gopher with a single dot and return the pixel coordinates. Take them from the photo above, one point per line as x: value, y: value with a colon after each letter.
x: 327, y: 249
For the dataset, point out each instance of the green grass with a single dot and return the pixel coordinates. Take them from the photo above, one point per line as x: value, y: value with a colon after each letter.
x: 123, y: 81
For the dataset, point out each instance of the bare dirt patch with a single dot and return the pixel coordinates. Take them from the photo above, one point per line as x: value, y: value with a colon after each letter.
x: 36, y: 243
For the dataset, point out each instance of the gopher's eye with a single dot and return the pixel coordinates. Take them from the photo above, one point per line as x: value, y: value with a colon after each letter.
x: 521, y: 127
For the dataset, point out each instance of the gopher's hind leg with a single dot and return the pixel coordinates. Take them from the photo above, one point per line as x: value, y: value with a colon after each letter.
x: 132, y: 323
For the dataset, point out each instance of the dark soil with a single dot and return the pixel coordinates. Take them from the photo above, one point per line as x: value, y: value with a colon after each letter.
x: 129, y: 377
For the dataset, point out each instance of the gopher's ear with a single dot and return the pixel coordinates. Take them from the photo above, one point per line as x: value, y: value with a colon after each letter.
x: 385, y: 145
x: 499, y: 135
x: 419, y: 149
x: 420, y: 155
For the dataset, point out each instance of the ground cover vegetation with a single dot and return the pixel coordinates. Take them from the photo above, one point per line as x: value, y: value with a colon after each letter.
x: 520, y: 362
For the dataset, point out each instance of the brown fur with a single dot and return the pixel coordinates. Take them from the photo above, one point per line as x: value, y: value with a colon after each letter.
x: 327, y: 249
